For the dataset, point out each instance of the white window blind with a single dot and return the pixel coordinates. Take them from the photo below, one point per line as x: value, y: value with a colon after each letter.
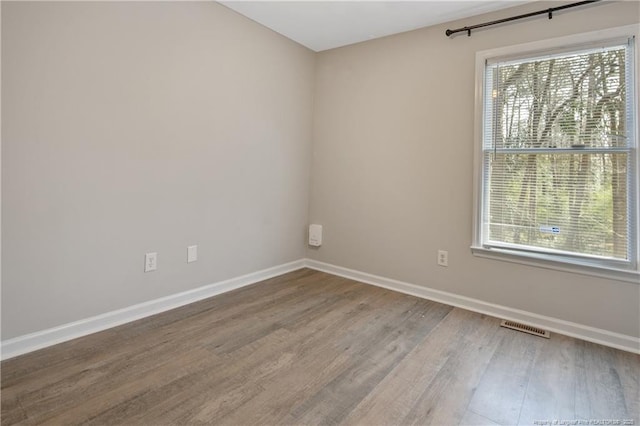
x: 559, y: 154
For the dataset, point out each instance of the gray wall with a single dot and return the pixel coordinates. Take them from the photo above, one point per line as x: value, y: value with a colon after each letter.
x: 138, y: 127
x: 393, y: 162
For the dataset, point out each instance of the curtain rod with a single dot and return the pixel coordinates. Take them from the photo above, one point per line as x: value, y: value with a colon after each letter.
x: 513, y: 18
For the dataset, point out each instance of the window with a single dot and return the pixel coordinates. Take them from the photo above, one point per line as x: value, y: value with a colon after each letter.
x: 557, y: 159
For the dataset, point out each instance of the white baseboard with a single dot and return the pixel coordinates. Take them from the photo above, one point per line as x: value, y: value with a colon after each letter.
x: 41, y: 339
x: 30, y: 342
x: 567, y: 328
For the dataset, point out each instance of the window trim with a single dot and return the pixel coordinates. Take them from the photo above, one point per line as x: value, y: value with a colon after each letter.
x: 544, y: 260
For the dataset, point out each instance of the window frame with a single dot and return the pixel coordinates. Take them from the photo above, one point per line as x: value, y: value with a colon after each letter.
x: 630, y: 271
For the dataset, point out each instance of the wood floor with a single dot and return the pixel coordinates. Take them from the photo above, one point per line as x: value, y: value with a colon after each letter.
x: 309, y: 348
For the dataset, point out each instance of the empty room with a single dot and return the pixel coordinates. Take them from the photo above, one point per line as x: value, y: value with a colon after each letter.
x: 320, y: 212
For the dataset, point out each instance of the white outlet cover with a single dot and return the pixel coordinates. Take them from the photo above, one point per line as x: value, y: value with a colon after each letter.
x: 192, y: 254
x: 443, y: 258
x: 150, y: 262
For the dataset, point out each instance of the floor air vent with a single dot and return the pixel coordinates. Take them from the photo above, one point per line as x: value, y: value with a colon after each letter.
x: 525, y: 328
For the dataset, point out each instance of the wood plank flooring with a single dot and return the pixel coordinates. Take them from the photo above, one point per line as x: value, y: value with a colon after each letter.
x: 309, y: 348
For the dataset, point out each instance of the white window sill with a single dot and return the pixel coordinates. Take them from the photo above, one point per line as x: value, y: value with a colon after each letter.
x: 548, y: 262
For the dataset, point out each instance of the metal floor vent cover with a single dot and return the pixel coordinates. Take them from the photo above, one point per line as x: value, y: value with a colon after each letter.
x: 525, y: 328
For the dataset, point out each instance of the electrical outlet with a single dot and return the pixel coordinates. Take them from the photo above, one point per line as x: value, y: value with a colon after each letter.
x: 192, y: 254
x: 443, y: 258
x: 150, y: 262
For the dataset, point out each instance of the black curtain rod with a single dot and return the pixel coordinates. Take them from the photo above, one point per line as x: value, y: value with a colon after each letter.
x: 513, y: 18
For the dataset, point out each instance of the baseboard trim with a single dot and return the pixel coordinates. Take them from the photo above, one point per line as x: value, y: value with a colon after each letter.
x: 567, y: 328
x: 41, y: 339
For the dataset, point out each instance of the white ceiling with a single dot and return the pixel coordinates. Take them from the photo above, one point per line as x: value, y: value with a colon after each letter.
x: 322, y: 25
